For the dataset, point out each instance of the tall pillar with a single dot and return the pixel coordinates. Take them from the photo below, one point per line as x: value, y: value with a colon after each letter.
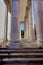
x: 39, y: 24
x: 6, y: 24
x: 15, y: 25
x: 31, y: 32
x: 26, y: 29
x: 34, y: 19
x: 9, y: 26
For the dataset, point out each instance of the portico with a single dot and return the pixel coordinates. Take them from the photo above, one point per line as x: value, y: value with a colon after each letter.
x: 12, y: 32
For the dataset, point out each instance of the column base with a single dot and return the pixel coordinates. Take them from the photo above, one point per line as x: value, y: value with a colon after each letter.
x: 40, y: 44
x: 14, y: 45
x: 32, y: 40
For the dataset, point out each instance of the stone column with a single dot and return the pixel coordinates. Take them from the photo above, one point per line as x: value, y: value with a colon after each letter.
x: 31, y: 32
x: 6, y: 24
x: 33, y: 19
x: 9, y: 26
x: 26, y: 29
x: 15, y: 25
x: 39, y: 24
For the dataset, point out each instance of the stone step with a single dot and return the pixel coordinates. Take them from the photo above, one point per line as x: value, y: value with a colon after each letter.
x: 22, y: 55
x: 22, y: 49
x: 25, y: 64
x: 13, y: 51
x: 23, y: 61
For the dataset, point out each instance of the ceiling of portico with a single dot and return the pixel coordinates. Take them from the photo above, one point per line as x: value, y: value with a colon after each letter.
x: 23, y: 4
x: 22, y: 9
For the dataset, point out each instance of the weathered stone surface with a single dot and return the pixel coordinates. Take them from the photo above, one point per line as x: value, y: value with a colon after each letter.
x: 39, y: 14
x: 15, y: 25
x: 26, y: 24
x: 31, y: 32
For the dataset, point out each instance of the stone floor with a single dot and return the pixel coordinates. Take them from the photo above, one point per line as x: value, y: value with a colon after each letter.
x: 29, y: 44
x: 24, y: 44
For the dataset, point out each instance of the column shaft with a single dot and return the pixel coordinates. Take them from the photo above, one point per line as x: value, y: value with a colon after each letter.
x: 15, y: 32
x: 34, y: 20
x: 15, y: 26
x: 26, y: 29
x: 6, y: 24
x: 31, y: 32
x: 39, y: 14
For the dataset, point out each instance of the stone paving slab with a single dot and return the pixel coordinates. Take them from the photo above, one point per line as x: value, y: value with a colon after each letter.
x: 23, y: 43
